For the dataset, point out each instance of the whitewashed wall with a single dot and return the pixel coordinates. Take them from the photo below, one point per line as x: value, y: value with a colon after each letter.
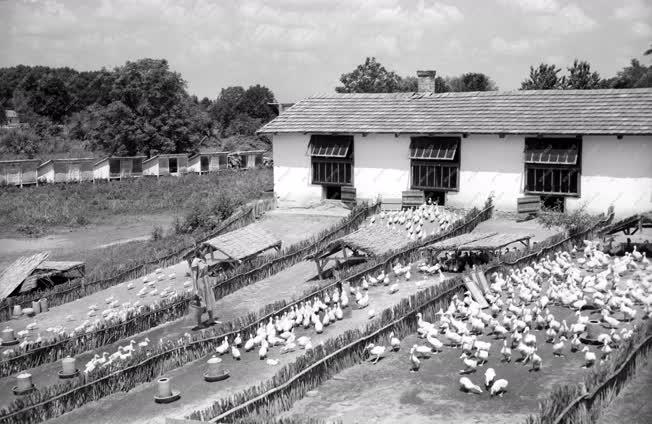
x: 101, y: 171
x: 615, y: 172
x: 381, y: 166
x: 488, y: 164
x: 151, y: 168
x: 292, y: 171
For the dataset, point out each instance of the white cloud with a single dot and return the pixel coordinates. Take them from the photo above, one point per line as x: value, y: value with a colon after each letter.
x: 642, y: 29
x: 569, y: 19
x: 633, y: 10
x: 544, y: 6
x: 500, y: 45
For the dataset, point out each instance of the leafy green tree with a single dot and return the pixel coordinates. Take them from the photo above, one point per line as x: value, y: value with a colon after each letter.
x: 471, y: 81
x: 580, y: 77
x: 227, y: 106
x: 634, y: 76
x: 51, y: 98
x: 19, y: 141
x: 369, y: 77
x: 255, y: 103
x: 545, y: 77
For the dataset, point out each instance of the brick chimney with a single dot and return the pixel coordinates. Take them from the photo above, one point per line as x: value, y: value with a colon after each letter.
x: 426, y: 81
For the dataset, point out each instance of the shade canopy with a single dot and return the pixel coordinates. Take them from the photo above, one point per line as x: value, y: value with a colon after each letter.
x: 495, y: 241
x: 330, y: 146
x: 374, y: 240
x: 433, y: 148
x: 244, y: 242
x: 455, y: 242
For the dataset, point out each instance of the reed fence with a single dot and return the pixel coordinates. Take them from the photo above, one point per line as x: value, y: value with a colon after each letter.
x: 286, y: 387
x: 169, y: 310
x: 79, y: 288
x: 56, y: 400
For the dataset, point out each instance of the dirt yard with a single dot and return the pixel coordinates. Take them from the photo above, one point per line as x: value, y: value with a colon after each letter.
x: 433, y: 393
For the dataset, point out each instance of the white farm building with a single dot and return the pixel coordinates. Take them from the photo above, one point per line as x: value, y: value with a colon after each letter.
x: 571, y: 147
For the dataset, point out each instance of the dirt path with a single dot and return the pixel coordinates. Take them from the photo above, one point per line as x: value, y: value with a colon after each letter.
x: 137, y: 406
x: 633, y: 404
x: 69, y: 244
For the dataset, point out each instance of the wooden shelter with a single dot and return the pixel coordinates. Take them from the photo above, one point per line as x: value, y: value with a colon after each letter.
x: 118, y: 167
x: 496, y: 242
x: 629, y: 226
x: 66, y: 170
x: 36, y: 272
x: 246, y: 159
x: 366, y: 242
x: 166, y: 164
x: 454, y: 242
x: 203, y: 163
x: 18, y: 172
x: 241, y: 244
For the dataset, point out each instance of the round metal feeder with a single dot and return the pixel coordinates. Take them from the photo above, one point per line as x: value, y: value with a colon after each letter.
x: 176, y: 395
x: 21, y: 392
x: 590, y: 336
x: 65, y: 375
x: 218, y: 377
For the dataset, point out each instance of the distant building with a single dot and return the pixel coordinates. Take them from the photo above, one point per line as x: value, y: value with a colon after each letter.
x: 567, y: 147
x: 166, y: 164
x: 66, y: 170
x: 12, y: 118
x: 18, y: 172
x: 203, y: 163
x: 118, y: 167
x: 246, y: 159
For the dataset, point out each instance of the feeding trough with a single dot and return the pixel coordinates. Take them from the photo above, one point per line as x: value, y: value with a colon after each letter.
x: 590, y: 336
x: 36, y: 306
x: 165, y: 393
x: 23, y: 385
x: 69, y: 368
x: 44, y: 305
x: 18, y: 311
x: 215, y: 371
x: 8, y: 337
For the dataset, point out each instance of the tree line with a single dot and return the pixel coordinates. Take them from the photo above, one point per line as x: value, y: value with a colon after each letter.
x: 372, y: 77
x: 138, y: 108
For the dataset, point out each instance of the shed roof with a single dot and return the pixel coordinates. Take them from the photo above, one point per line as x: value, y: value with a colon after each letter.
x: 495, y: 241
x: 20, y: 161
x: 166, y: 155
x: 244, y: 242
x: 58, y: 265
x: 562, y: 112
x: 119, y: 157
x: 455, y: 242
x: 371, y: 239
x: 66, y: 160
x: 14, y: 275
x: 196, y: 155
x: 246, y: 152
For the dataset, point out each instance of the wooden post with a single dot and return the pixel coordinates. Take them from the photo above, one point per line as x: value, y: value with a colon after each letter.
x: 319, y: 268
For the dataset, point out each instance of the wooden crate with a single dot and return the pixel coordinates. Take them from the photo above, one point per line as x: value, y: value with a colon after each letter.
x: 527, y: 206
x: 349, y: 196
x: 412, y: 198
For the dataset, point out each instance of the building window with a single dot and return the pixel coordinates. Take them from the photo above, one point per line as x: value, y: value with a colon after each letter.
x: 553, y: 166
x: 173, y: 165
x: 222, y: 161
x: 114, y: 166
x: 435, y: 163
x: 137, y: 166
x: 332, y: 159
x: 203, y: 163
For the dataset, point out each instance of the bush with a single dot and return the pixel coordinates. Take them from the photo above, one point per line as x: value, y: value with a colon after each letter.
x: 157, y: 233
x: 573, y: 222
x: 30, y: 230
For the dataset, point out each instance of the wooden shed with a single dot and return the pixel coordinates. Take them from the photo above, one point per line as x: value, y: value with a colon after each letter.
x: 36, y: 273
x: 18, y: 172
x: 118, y: 167
x: 239, y: 245
x: 203, y: 163
x: 360, y: 245
x: 66, y: 170
x: 246, y: 159
x: 166, y: 164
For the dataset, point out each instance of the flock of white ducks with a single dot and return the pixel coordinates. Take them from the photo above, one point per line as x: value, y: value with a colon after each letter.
x: 520, y: 303
x: 413, y: 220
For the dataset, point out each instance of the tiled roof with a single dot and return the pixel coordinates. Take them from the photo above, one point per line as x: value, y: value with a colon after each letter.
x: 626, y: 111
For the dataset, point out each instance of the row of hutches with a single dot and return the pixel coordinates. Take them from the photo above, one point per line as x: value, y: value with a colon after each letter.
x: 20, y: 172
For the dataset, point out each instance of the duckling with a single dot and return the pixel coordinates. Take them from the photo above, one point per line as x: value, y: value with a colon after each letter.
x: 235, y: 352
x: 394, y: 342
x: 416, y: 363
x: 589, y: 357
x: 499, y: 387
x: 557, y: 348
x: 468, y: 386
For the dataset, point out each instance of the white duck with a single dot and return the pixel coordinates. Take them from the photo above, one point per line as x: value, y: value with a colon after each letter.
x: 499, y: 387
x: 377, y: 351
x: 468, y: 386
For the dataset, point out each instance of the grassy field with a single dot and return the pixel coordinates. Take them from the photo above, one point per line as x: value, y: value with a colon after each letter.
x: 35, y: 210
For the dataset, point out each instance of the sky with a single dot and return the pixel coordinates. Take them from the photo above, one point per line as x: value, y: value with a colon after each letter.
x: 301, y: 47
